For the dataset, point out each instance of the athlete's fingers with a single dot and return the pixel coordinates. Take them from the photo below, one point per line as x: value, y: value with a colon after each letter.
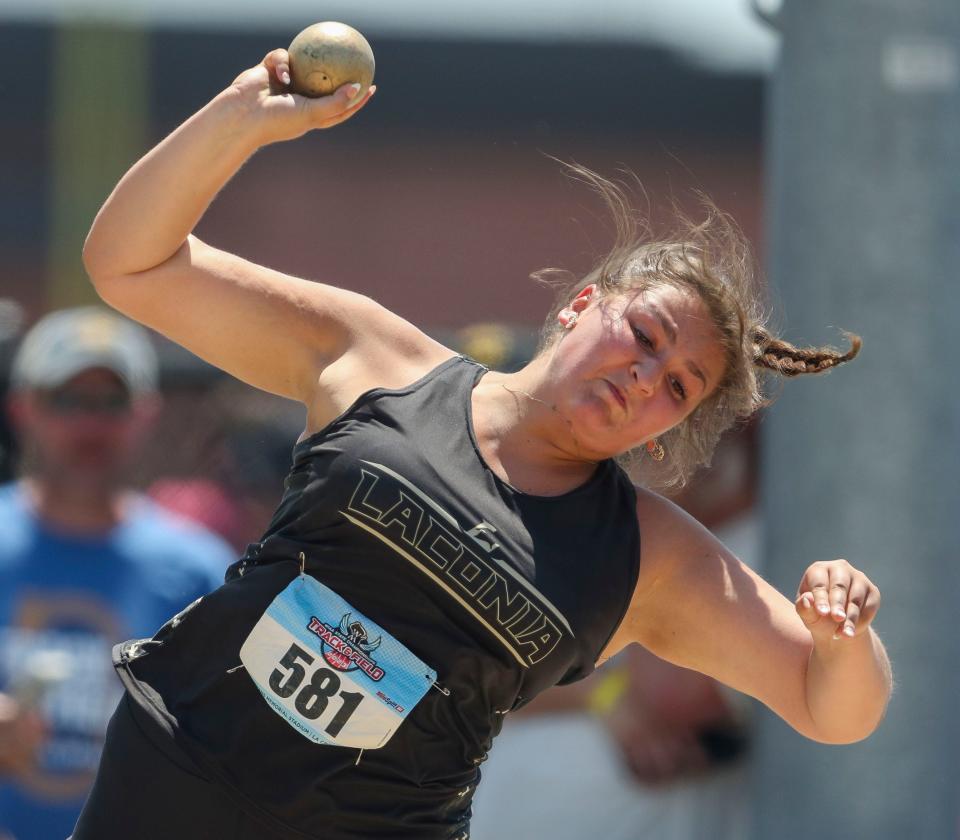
x: 839, y: 589
x: 343, y: 116
x: 836, y: 600
x: 862, y: 607
x: 807, y: 609
x: 848, y: 627
x: 816, y: 580
x: 855, y: 599
x: 870, y: 605
x: 277, y: 63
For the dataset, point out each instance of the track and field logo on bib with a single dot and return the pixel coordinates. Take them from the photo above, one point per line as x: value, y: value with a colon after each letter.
x: 347, y: 647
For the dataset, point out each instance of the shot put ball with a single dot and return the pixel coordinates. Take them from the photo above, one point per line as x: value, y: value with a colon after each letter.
x: 327, y: 55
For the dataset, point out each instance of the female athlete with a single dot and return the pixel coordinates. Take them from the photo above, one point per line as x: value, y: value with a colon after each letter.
x: 451, y: 540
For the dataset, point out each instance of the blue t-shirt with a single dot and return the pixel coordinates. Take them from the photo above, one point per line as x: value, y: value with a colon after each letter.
x: 64, y: 602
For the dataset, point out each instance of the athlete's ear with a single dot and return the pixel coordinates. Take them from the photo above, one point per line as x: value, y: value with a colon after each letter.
x: 586, y: 296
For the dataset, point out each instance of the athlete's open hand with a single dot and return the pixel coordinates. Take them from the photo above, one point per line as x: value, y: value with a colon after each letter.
x: 281, y: 115
x: 836, y: 601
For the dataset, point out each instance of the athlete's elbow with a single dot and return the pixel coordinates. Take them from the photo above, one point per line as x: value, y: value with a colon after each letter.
x: 100, y: 260
x: 94, y: 260
x: 843, y: 737
x: 110, y: 258
x: 841, y: 732
x: 108, y: 286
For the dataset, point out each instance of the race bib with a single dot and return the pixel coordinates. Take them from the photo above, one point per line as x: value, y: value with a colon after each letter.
x: 334, y: 675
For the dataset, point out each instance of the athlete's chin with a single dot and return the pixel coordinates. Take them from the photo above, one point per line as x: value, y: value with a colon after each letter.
x: 602, y: 437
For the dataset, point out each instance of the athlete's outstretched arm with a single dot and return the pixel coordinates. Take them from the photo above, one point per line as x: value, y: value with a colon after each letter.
x: 698, y: 606
x: 273, y: 331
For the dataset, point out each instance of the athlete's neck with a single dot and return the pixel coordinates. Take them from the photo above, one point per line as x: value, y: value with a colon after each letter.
x: 524, y: 439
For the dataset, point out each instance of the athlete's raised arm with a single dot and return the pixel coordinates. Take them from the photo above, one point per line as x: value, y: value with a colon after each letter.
x: 273, y: 331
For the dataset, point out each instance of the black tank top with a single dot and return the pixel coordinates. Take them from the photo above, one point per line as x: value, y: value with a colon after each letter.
x: 502, y: 593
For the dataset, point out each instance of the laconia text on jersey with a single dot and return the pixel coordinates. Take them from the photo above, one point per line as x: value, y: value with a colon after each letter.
x: 424, y: 533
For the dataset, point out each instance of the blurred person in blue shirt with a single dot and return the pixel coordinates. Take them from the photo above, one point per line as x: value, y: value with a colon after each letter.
x: 85, y: 562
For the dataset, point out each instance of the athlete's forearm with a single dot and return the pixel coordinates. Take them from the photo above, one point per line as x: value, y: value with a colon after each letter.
x: 848, y: 686
x: 159, y: 201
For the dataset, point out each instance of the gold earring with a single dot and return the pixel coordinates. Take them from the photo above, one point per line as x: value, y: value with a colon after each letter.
x: 655, y: 450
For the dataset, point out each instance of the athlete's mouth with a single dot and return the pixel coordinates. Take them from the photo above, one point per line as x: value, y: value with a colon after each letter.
x: 617, y: 395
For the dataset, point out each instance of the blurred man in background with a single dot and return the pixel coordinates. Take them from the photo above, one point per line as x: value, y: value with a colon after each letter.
x: 85, y: 562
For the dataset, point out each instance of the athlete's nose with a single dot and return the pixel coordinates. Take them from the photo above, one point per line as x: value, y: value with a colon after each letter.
x: 646, y: 375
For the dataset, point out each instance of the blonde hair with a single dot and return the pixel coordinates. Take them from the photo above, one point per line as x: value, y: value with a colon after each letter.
x: 712, y: 259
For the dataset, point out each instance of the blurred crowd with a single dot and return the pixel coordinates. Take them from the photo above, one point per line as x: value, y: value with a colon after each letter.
x: 129, y: 483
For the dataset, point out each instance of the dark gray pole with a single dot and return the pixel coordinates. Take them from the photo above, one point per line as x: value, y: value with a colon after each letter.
x: 864, y: 203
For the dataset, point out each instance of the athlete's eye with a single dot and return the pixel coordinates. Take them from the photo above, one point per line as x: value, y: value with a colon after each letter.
x: 678, y: 388
x: 641, y: 336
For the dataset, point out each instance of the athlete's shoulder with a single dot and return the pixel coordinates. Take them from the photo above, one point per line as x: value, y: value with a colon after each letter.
x: 383, y: 330
x: 670, y: 534
x: 657, y: 514
x: 374, y: 366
